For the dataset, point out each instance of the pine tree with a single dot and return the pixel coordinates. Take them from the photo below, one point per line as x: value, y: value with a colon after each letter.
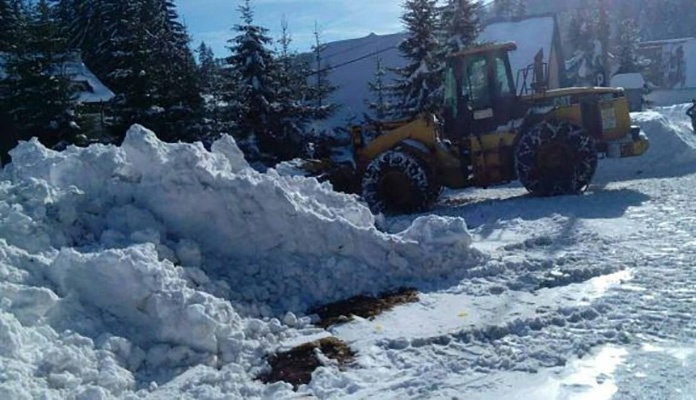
x: 627, y: 46
x: 253, y: 99
x: 379, y: 105
x: 38, y: 97
x: 12, y: 29
x: 8, y: 25
x: 125, y: 61
x: 177, y: 86
x: 504, y: 8
x: 460, y: 25
x: 583, y: 37
x: 321, y: 90
x: 292, y: 113
x: 212, y: 82
x: 208, y: 68
x: 417, y: 86
x: 519, y: 9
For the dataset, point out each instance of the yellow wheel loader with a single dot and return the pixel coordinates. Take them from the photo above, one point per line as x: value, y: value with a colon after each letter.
x: 491, y: 132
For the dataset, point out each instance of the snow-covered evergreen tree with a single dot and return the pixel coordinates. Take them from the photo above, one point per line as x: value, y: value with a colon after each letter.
x: 139, y: 49
x: 320, y: 87
x: 175, y: 73
x: 460, y: 24
x: 504, y: 8
x: 379, y: 105
x: 212, y: 81
x: 37, y: 96
x: 208, y: 69
x: 8, y: 24
x: 520, y: 9
x: 583, y: 36
x: 292, y: 111
x: 628, y: 39
x: 417, y: 88
x: 252, y: 103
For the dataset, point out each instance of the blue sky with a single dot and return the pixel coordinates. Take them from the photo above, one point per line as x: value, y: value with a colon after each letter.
x: 212, y: 20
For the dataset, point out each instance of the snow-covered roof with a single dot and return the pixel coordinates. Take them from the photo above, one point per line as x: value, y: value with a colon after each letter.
x: 89, y: 88
x: 628, y: 81
x: 354, y: 60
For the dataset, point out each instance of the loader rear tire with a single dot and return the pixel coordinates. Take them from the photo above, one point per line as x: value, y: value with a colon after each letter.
x: 555, y: 158
x: 397, y: 182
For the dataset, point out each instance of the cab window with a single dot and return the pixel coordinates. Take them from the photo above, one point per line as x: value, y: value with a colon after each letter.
x: 477, y: 84
x: 503, y: 88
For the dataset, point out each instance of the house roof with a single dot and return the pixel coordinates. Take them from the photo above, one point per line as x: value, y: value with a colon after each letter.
x: 90, y: 88
x: 354, y: 60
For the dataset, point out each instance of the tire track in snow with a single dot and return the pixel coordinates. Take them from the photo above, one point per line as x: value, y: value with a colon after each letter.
x: 650, y: 299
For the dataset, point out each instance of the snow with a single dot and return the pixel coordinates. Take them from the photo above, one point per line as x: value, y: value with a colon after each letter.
x: 90, y: 88
x: 96, y: 91
x: 161, y: 271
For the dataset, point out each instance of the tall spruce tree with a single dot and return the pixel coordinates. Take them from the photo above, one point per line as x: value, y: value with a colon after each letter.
x: 292, y: 112
x: 628, y: 40
x: 519, y: 9
x: 38, y: 97
x: 208, y: 69
x: 504, y: 8
x: 177, y: 86
x: 8, y: 25
x: 139, y: 49
x: 321, y: 87
x: 253, y: 99
x: 379, y: 104
x: 584, y: 40
x: 460, y: 25
x: 417, y: 86
x: 212, y: 80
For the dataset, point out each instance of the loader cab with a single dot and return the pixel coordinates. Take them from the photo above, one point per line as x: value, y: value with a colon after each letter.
x: 480, y: 91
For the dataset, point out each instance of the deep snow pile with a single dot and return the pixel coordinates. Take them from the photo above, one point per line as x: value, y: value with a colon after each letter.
x: 672, y: 149
x: 121, y: 265
x: 169, y: 271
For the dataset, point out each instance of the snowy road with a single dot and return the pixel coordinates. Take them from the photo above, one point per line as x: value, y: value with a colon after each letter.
x: 608, y: 277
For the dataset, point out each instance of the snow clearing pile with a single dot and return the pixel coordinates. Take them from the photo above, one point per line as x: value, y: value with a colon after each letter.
x: 170, y: 271
x: 121, y: 266
x: 672, y: 149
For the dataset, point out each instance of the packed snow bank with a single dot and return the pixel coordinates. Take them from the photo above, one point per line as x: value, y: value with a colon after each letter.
x: 121, y: 266
x: 278, y: 243
x: 672, y: 149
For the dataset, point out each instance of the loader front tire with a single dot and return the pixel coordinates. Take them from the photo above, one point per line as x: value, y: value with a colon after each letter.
x: 397, y: 182
x: 555, y: 158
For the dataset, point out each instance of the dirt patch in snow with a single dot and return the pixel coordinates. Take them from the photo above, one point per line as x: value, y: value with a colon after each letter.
x: 363, y: 306
x: 296, y: 366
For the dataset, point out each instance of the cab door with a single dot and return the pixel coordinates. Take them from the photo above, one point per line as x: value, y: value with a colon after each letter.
x: 489, y: 86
